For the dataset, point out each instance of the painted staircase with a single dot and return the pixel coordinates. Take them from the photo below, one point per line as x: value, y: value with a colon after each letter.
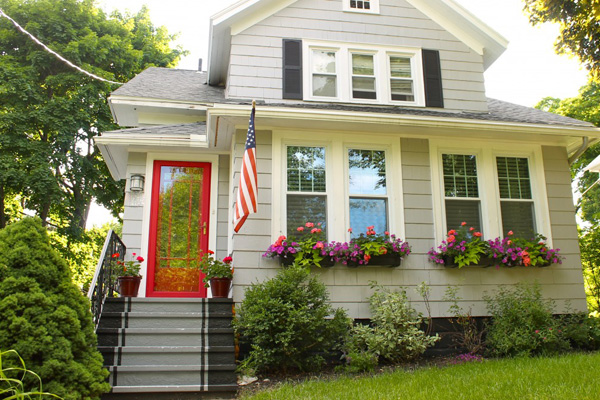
x: 158, y: 348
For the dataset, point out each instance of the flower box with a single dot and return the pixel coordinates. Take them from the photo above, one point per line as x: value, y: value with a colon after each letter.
x: 288, y: 259
x: 484, y: 261
x: 385, y: 260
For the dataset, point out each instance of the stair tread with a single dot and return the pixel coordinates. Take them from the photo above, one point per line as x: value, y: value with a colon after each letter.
x: 168, y: 300
x: 165, y: 330
x: 161, y: 349
x: 161, y: 314
x: 170, y: 368
x: 174, y: 388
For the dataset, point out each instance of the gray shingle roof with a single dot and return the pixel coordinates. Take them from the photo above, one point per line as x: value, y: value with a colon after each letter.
x: 196, y: 128
x: 190, y: 86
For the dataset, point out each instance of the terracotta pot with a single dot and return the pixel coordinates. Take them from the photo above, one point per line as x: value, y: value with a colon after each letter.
x: 220, y: 287
x: 129, y: 285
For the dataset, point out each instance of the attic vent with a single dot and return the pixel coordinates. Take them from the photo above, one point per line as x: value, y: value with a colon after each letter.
x: 360, y: 4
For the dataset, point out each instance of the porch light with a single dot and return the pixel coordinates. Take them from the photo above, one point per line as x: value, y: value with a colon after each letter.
x: 136, y: 183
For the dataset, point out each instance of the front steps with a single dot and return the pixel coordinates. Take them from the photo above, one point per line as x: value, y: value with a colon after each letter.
x: 168, y: 348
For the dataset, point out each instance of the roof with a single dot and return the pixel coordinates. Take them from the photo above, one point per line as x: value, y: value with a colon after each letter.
x: 446, y: 13
x: 190, y: 86
x: 196, y: 128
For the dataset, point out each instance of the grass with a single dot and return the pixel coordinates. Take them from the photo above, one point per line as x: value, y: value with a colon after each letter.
x: 569, y: 377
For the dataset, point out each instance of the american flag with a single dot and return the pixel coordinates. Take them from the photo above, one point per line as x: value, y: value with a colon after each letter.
x: 247, y: 189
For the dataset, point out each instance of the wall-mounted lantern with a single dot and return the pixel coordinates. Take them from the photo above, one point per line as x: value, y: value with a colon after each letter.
x: 136, y: 183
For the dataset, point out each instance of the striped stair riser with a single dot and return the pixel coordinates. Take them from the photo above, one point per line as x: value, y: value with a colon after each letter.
x: 186, y: 337
x: 151, y: 320
x: 123, y: 376
x: 121, y: 356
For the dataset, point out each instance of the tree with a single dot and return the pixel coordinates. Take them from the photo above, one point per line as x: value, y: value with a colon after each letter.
x: 49, y: 112
x: 580, y: 27
x: 585, y: 107
x: 44, y: 316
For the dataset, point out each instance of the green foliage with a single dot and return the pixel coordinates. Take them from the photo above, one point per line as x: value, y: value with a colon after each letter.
x: 358, y: 362
x: 289, y: 323
x: 49, y: 112
x: 11, y: 380
x: 585, y: 107
x: 395, y: 335
x: 213, y: 268
x: 44, y: 316
x: 468, y: 335
x: 581, y: 330
x: 589, y: 243
x: 580, y: 27
x: 523, y: 323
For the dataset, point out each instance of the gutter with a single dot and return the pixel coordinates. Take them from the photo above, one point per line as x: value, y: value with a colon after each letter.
x: 584, y: 146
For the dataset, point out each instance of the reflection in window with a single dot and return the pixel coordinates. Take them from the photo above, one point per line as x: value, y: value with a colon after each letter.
x: 324, y: 78
x: 363, y: 77
x: 368, y: 201
x: 401, y: 84
x: 461, y: 190
x: 306, y: 187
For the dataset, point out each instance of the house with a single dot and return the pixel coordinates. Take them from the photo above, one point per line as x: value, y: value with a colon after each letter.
x: 400, y: 81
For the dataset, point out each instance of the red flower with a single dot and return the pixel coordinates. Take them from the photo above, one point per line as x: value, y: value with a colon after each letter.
x: 451, y: 232
x: 510, y: 233
x: 314, y: 230
x: 300, y: 229
x: 140, y: 259
x: 383, y: 250
x: 319, y: 230
x: 370, y: 228
x: 227, y: 260
x: 350, y: 230
x: 463, y: 223
x: 309, y: 225
x: 115, y: 255
x: 471, y: 229
x: 386, y: 233
x: 210, y: 252
x: 477, y: 234
x: 367, y: 257
x: 451, y: 238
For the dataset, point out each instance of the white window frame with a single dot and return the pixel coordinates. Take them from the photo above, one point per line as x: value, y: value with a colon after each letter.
x: 337, y: 175
x: 373, y: 10
x: 487, y: 179
x: 381, y: 56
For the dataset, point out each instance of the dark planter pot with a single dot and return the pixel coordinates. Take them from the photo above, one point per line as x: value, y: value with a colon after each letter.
x: 220, y: 287
x: 449, y: 262
x: 486, y: 261
x: 289, y: 260
x: 385, y: 260
x: 129, y: 285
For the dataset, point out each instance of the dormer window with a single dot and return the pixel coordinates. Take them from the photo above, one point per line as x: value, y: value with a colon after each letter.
x: 365, y: 6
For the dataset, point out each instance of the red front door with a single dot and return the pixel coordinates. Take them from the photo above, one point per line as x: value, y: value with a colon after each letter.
x: 178, y: 228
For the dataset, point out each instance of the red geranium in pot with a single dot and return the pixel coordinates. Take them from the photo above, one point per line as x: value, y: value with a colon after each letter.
x: 128, y: 275
x: 217, y: 274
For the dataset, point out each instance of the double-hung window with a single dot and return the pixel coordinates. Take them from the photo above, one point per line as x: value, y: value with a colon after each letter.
x: 401, y: 79
x: 363, y: 77
x: 367, y: 188
x: 461, y: 190
x: 324, y: 73
x: 516, y: 201
x: 306, y: 187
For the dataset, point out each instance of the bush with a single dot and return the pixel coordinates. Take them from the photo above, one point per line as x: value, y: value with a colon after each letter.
x: 11, y: 380
x: 581, y: 330
x: 523, y: 323
x: 395, y: 335
x: 44, y: 316
x: 286, y: 322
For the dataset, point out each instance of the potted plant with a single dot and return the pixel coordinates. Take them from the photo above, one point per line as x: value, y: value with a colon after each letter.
x: 375, y: 249
x: 217, y: 274
x: 512, y: 252
x: 128, y: 275
x: 309, y: 249
x: 463, y: 246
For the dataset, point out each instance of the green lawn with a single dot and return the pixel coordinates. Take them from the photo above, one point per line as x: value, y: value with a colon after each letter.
x: 575, y: 376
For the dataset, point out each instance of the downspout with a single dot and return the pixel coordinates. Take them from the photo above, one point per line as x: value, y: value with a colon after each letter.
x: 584, y: 146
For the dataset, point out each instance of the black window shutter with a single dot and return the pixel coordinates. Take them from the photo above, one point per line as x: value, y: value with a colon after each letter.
x: 292, y: 69
x: 432, y: 74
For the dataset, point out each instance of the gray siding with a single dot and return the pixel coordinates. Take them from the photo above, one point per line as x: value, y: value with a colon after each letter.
x: 134, y: 205
x: 223, y: 207
x: 256, y: 53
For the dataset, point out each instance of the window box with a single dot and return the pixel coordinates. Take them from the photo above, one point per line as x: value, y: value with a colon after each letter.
x: 385, y: 260
x: 288, y: 259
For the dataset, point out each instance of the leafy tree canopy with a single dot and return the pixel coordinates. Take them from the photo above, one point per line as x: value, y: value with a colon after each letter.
x: 580, y: 27
x: 585, y: 107
x: 49, y: 112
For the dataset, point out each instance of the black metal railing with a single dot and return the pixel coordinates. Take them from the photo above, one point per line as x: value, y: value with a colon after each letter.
x: 105, y: 279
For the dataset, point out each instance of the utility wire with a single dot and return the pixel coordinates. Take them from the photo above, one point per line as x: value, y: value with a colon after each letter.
x: 49, y: 50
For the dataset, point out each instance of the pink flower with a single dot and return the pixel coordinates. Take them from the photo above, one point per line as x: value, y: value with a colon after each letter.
x: 319, y: 230
x: 133, y: 254
x: 319, y: 245
x: 140, y: 259
x: 350, y: 230
x: 227, y: 260
x: 463, y: 223
x: 386, y: 233
x: 309, y: 225
x: 451, y: 238
x: 451, y: 232
x: 471, y: 229
x: 313, y: 230
x: 370, y: 228
x: 510, y: 233
x: 537, y: 331
x: 477, y: 234
x: 300, y: 229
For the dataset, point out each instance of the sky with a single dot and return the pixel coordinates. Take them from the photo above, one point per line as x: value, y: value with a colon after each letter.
x: 528, y: 71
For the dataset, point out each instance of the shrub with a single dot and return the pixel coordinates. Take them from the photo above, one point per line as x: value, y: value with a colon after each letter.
x: 44, y: 316
x: 522, y: 323
x: 395, y: 335
x: 581, y: 330
x: 11, y: 380
x: 467, y: 336
x: 288, y: 322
